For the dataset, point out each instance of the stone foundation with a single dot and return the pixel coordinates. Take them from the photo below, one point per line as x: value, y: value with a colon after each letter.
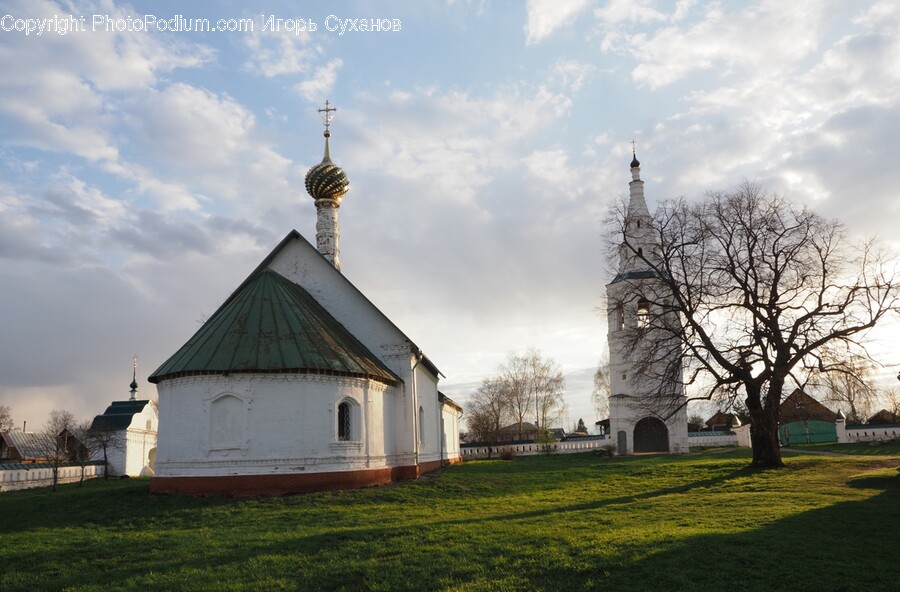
x: 270, y: 485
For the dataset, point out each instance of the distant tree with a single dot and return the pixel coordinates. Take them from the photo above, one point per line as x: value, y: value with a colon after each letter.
x: 83, y: 453
x: 580, y: 427
x: 488, y: 409
x: 6, y: 420
x: 602, y: 391
x: 749, y: 290
x: 892, y: 398
x: 845, y: 380
x: 102, y: 442
x: 695, y: 423
x: 546, y: 438
x: 55, y: 441
x: 536, y: 388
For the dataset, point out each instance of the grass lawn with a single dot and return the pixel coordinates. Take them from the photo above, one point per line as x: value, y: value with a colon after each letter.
x: 866, y: 448
x: 561, y: 523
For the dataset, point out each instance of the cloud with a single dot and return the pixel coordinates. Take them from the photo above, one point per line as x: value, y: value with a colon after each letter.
x: 764, y: 39
x: 318, y: 87
x: 546, y: 16
x: 459, y: 143
x: 280, y: 52
x: 634, y: 11
x: 193, y: 128
x: 571, y: 74
x: 53, y: 88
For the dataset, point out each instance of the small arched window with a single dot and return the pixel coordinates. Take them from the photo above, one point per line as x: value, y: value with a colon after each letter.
x: 421, y: 425
x: 345, y: 422
x: 643, y: 313
x: 640, y: 251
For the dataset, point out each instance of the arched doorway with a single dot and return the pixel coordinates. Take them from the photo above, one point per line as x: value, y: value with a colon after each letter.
x: 651, y: 435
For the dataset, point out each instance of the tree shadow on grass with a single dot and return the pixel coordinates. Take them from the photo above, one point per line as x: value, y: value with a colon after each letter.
x: 846, y: 546
x: 97, y: 503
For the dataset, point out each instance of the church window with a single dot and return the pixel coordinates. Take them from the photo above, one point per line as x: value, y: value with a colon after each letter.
x: 643, y: 313
x: 640, y: 251
x: 421, y: 425
x: 226, y: 422
x: 149, y: 425
x: 344, y: 422
x: 618, y: 318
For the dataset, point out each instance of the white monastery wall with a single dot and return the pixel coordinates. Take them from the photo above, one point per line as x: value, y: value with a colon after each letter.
x: 866, y: 433
x: 712, y: 439
x: 531, y: 448
x: 16, y: 479
x: 450, y: 432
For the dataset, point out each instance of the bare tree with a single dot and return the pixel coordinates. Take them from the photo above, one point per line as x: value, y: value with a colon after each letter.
x: 748, y: 291
x: 487, y: 411
x: 102, y: 441
x: 695, y: 423
x: 845, y: 379
x: 6, y: 420
x: 536, y: 388
x: 56, y: 442
x: 83, y: 453
x: 602, y: 390
x: 892, y: 398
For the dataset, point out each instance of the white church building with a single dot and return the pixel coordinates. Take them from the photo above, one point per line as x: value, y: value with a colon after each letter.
x: 133, y: 423
x: 298, y: 382
x: 648, y: 410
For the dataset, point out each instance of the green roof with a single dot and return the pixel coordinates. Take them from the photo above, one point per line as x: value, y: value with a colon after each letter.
x: 271, y: 324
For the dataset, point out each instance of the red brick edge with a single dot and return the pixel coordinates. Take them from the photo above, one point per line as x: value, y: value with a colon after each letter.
x: 266, y: 485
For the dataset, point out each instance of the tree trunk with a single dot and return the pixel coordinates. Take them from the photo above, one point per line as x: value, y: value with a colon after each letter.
x: 105, y: 465
x: 764, y: 440
x: 764, y: 425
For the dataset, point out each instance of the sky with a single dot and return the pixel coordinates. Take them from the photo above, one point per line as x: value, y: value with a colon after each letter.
x: 145, y: 171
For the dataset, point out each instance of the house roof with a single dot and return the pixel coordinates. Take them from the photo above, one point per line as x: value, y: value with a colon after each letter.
x: 27, y: 444
x: 270, y: 324
x: 720, y: 418
x: 799, y: 407
x: 883, y: 417
x: 444, y: 399
x: 118, y: 415
x: 647, y: 274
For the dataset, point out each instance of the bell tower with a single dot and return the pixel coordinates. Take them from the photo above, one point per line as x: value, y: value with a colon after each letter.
x: 647, y: 406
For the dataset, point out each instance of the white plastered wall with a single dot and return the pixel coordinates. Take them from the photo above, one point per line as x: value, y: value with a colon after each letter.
x: 271, y: 424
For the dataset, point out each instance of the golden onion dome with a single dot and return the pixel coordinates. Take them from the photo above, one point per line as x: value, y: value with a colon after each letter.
x: 327, y: 180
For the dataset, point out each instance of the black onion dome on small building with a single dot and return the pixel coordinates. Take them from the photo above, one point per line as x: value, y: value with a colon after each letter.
x: 327, y: 180
x: 272, y: 325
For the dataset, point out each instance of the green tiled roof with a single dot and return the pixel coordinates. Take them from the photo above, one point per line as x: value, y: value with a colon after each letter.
x: 271, y: 324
